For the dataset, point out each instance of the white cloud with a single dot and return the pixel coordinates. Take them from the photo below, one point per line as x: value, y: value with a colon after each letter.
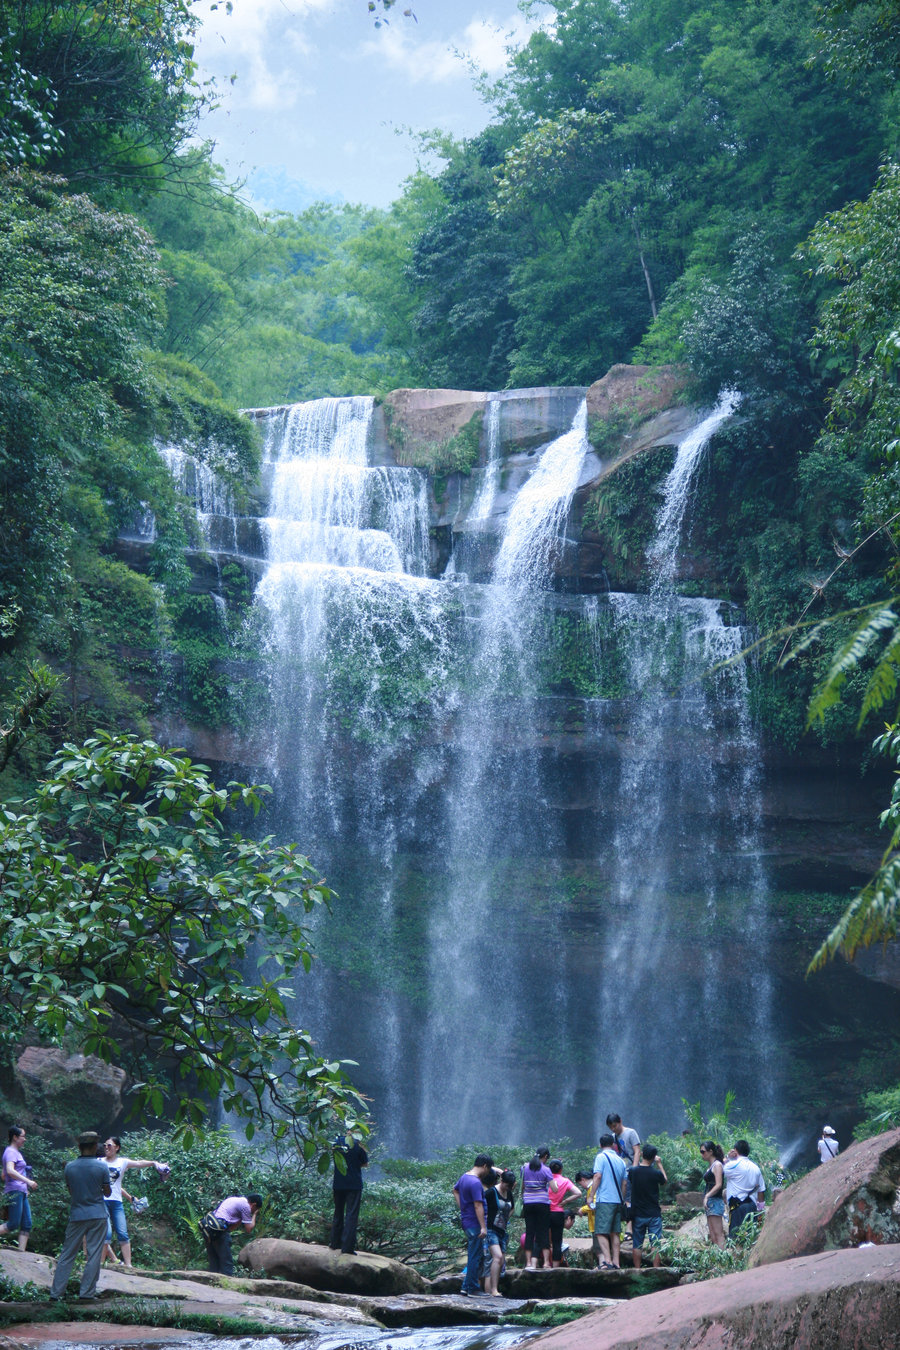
x: 482, y: 43
x: 260, y: 42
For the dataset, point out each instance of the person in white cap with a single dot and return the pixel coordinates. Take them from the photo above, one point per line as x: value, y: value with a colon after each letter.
x: 828, y: 1146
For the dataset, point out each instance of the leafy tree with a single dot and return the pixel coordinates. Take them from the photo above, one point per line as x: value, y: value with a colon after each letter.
x: 859, y: 36
x: 27, y: 133
x: 78, y: 298
x: 116, y: 81
x: 130, y: 918
x: 460, y: 272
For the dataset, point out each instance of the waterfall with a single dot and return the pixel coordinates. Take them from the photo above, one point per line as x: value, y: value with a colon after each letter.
x: 690, y: 769
x: 540, y: 510
x: 528, y: 880
x: 497, y: 819
x: 358, y: 654
x: 487, y: 491
x: 663, y: 552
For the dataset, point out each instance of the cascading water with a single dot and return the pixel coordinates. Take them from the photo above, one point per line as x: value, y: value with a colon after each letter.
x: 524, y: 915
x: 496, y: 819
x: 689, y: 769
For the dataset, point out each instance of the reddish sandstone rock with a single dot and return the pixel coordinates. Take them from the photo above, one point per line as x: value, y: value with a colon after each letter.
x: 833, y: 1301
x: 854, y: 1199
x: 639, y: 391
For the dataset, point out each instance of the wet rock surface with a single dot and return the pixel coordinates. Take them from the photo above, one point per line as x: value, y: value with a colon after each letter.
x: 195, y: 1292
x: 831, y: 1301
x: 572, y: 1282
x: 854, y: 1199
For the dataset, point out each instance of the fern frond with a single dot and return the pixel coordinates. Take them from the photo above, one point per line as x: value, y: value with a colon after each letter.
x: 879, y: 619
x: 806, y: 642
x: 872, y: 917
x: 883, y: 683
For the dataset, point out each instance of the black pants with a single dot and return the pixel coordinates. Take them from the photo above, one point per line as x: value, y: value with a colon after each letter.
x: 557, y: 1229
x: 346, y: 1218
x: 737, y: 1215
x: 218, y: 1252
x: 537, y: 1228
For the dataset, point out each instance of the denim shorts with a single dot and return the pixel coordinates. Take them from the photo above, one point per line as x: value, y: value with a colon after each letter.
x: 115, y: 1212
x: 19, y: 1220
x: 652, y: 1228
x: 495, y: 1239
x: 716, y: 1207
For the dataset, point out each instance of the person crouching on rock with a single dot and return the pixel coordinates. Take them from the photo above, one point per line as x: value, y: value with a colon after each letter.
x: 238, y: 1211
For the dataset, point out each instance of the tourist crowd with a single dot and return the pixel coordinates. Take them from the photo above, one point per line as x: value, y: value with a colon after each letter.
x: 622, y: 1190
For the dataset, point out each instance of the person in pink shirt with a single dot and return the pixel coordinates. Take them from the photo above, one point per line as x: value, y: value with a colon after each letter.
x: 562, y: 1191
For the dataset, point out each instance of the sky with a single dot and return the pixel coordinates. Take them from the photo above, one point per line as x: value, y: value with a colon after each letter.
x: 324, y: 102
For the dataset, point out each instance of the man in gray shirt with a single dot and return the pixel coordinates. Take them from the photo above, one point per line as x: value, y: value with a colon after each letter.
x: 87, y: 1178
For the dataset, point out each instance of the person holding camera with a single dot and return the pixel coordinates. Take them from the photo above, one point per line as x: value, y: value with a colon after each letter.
x: 347, y: 1189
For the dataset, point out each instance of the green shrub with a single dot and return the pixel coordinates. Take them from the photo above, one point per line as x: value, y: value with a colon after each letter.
x: 882, y: 1112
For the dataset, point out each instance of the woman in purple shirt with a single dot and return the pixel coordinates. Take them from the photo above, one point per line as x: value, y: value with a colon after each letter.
x: 536, y: 1178
x: 17, y: 1183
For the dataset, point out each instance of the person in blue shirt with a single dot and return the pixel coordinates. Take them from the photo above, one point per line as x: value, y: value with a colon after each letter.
x: 606, y: 1196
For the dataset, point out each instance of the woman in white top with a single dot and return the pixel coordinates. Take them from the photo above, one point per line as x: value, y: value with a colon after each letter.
x: 828, y: 1146
x: 118, y: 1166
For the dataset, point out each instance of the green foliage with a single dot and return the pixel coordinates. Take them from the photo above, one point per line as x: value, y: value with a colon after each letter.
x: 747, y: 331
x: 126, y: 905
x: 882, y: 1113
x: 853, y: 250
x: 706, y: 1261
x: 114, y: 83
x: 13, y: 1292
x: 545, y: 1317
x: 602, y: 199
x: 277, y: 308
x: 723, y: 1126
x: 622, y: 511
x: 874, y: 914
x: 27, y: 134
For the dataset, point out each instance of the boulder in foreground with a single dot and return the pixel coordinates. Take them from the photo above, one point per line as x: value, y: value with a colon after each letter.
x: 854, y: 1199
x: 831, y: 1301
x: 321, y: 1268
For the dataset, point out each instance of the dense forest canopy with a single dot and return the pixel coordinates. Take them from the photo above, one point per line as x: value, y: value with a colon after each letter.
x: 706, y: 183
